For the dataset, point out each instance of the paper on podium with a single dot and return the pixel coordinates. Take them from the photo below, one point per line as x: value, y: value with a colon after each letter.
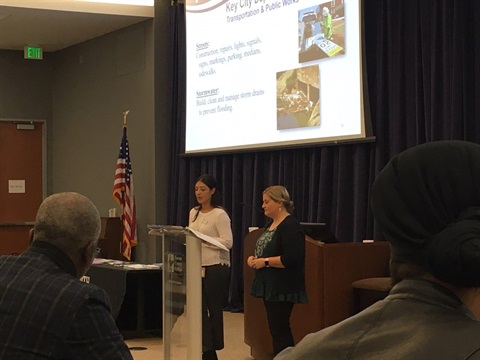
x: 159, y: 229
x: 207, y: 238
x: 165, y: 227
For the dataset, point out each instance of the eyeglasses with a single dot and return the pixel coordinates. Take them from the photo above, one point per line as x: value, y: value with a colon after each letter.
x: 97, y: 251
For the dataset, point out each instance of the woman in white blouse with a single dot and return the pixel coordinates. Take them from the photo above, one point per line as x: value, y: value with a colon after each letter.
x: 211, y: 219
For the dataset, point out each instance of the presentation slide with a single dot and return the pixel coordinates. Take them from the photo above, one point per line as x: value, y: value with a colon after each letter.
x: 268, y: 73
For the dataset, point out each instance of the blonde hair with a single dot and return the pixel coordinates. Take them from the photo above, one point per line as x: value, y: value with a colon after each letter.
x: 280, y: 193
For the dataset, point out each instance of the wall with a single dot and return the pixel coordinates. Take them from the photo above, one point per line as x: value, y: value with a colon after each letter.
x: 82, y: 92
x: 25, y: 86
x: 94, y: 82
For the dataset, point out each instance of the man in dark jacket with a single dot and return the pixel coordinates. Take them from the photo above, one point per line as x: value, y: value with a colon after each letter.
x: 46, y: 312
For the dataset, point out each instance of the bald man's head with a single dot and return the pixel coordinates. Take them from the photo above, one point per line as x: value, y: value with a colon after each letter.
x: 69, y: 221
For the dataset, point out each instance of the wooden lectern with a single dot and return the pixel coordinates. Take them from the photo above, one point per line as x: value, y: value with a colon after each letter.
x: 110, y: 240
x: 330, y: 270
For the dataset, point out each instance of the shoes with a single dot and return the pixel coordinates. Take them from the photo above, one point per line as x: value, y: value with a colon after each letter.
x: 237, y: 310
x: 233, y: 309
x: 209, y: 355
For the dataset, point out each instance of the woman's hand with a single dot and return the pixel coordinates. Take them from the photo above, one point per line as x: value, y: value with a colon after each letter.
x: 256, y: 263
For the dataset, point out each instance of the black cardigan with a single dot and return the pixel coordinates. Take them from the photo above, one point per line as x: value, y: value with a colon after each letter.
x: 288, y: 242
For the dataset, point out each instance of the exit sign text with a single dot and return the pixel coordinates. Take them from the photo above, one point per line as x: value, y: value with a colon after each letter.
x: 33, y: 52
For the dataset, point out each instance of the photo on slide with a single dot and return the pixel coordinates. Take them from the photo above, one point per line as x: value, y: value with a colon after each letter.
x: 298, y: 98
x: 321, y: 31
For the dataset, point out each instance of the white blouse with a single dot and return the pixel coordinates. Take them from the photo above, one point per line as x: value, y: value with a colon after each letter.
x: 215, y: 223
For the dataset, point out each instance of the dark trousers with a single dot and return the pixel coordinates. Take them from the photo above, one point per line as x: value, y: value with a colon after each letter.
x: 278, y: 315
x: 215, y: 287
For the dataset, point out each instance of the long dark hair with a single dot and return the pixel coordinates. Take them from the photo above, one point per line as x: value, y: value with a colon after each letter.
x: 216, y: 200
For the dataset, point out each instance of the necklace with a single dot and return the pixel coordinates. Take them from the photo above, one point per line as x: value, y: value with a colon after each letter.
x: 276, y: 222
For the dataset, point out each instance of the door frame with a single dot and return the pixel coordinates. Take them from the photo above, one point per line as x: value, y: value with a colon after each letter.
x: 44, y: 145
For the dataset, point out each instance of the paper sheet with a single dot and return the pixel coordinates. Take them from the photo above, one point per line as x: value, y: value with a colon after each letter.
x: 208, y: 239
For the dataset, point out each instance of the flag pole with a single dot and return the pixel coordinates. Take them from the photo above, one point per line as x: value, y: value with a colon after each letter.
x: 124, y: 195
x: 125, y: 113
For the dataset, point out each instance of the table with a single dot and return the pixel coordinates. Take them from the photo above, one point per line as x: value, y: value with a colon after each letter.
x: 135, y: 297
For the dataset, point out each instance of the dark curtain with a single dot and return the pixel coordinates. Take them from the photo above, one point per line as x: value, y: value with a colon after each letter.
x: 177, y: 51
x: 422, y: 60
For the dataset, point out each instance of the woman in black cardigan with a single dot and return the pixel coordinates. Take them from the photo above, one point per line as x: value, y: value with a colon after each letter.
x: 279, y: 262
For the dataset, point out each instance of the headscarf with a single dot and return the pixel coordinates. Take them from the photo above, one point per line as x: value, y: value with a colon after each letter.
x: 427, y: 202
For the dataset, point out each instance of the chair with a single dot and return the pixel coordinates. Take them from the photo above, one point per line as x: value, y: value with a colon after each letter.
x: 368, y: 291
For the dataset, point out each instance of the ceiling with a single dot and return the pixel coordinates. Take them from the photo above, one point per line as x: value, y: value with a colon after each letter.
x: 58, y: 24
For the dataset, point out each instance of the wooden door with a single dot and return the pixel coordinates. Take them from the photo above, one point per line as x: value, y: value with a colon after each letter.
x: 22, y: 181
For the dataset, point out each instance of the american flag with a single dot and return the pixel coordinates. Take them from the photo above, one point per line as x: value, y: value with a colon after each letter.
x: 123, y: 194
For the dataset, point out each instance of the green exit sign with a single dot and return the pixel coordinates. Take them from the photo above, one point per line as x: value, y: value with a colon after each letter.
x: 33, y: 52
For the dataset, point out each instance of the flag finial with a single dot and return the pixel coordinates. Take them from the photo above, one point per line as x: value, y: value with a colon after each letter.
x: 125, y: 113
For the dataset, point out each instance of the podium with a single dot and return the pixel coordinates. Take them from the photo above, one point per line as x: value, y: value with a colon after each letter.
x: 182, y: 290
x: 110, y: 239
x: 330, y: 270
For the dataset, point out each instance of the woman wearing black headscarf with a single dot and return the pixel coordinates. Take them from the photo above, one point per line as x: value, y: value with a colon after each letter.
x: 427, y: 203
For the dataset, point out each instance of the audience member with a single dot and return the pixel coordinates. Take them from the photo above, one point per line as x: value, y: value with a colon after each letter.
x: 46, y: 311
x: 427, y: 202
